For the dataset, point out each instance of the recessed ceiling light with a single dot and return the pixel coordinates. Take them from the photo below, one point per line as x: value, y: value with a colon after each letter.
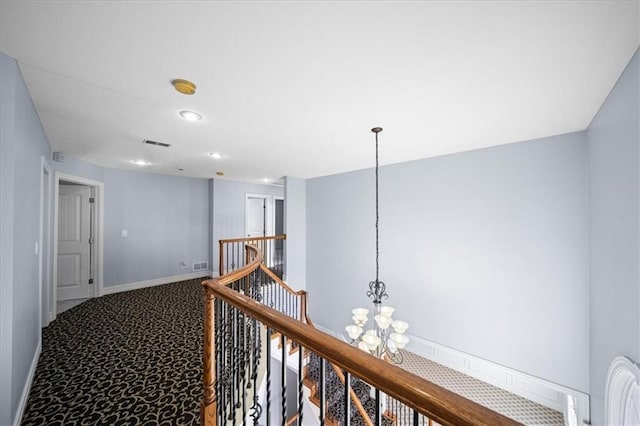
x: 141, y: 162
x: 265, y: 180
x: 190, y: 115
x: 215, y: 155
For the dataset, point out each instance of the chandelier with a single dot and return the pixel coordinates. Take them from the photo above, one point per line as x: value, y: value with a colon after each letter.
x: 387, y: 335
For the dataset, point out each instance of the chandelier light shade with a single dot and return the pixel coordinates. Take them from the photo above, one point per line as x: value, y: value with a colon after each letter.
x: 387, y: 337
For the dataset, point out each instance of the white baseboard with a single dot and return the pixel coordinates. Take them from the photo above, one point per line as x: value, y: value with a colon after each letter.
x: 154, y: 282
x: 27, y: 385
x: 535, y: 389
x: 542, y: 391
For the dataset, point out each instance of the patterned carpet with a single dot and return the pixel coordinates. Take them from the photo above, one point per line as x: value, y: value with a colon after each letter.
x: 130, y: 358
x: 523, y: 410
x: 135, y: 358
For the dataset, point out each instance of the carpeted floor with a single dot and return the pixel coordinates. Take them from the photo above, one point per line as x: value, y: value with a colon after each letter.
x: 135, y: 358
x: 131, y: 358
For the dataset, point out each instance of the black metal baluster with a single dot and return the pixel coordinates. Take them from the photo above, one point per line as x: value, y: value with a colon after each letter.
x: 416, y: 418
x: 283, y: 342
x: 347, y: 399
x: 300, y: 385
x: 237, y: 348
x: 256, y: 408
x: 218, y: 339
x: 222, y: 373
x: 243, y: 370
x: 378, y: 411
x: 321, y: 389
x: 268, y: 376
x: 234, y: 365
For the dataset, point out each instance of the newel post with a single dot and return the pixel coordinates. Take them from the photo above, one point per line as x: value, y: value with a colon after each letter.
x: 208, y: 407
x: 303, y: 306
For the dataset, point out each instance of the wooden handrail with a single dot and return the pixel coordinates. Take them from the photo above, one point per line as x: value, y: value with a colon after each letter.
x: 245, y: 239
x: 232, y: 241
x: 429, y: 399
x: 277, y: 279
x: 242, y: 272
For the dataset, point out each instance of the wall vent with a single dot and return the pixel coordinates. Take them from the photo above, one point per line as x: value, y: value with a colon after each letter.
x: 162, y: 144
x: 200, y: 266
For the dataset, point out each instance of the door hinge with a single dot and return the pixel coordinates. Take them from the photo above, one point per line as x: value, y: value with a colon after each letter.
x: 91, y: 240
x: 90, y: 280
x: 92, y: 200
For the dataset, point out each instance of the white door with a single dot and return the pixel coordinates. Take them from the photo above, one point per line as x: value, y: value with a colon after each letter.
x: 255, y: 217
x: 74, y: 233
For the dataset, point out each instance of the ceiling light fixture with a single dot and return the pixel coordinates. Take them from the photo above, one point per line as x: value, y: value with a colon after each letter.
x: 215, y: 155
x: 387, y: 337
x: 184, y: 86
x: 190, y: 115
x: 265, y: 180
x: 141, y: 162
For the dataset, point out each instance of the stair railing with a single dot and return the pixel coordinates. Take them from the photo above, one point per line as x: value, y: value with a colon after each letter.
x: 234, y: 316
x: 232, y: 253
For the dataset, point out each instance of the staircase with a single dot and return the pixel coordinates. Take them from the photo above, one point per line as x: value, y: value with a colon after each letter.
x: 335, y: 388
x: 253, y: 318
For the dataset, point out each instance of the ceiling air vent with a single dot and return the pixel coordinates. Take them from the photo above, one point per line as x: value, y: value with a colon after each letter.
x: 162, y: 144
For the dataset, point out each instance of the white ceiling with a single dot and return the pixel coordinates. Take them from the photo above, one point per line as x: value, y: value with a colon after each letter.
x: 292, y: 88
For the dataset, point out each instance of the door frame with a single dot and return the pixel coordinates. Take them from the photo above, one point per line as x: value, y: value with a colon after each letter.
x: 270, y: 211
x: 98, y: 188
x: 44, y: 242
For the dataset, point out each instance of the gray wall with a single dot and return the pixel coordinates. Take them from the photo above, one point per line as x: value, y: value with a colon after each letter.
x: 295, y: 218
x: 483, y: 251
x: 22, y: 144
x: 228, y: 209
x: 167, y: 219
x: 615, y: 288
x: 76, y: 167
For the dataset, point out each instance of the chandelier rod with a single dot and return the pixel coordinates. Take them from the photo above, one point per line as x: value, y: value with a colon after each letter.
x: 377, y: 130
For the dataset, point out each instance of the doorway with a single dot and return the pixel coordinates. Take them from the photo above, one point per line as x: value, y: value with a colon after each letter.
x: 278, y: 225
x: 264, y: 215
x: 256, y: 216
x: 77, y: 242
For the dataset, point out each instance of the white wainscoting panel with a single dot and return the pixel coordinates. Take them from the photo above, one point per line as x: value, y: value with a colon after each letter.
x: 530, y: 387
x: 538, y: 390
